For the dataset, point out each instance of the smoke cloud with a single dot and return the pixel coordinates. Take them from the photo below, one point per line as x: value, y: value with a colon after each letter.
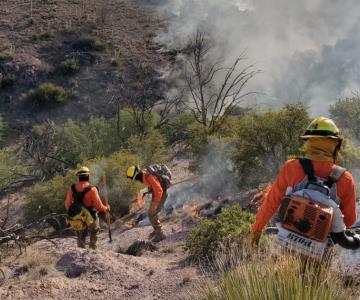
x: 216, y: 178
x: 308, y: 50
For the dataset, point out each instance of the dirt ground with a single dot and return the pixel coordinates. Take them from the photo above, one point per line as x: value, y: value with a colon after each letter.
x: 161, y: 274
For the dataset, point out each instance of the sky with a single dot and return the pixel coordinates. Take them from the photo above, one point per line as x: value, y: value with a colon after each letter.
x: 307, y: 50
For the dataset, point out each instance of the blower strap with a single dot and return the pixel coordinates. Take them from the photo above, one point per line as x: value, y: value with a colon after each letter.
x: 334, y: 176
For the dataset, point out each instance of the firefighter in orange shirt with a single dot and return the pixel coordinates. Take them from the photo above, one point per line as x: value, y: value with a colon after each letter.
x: 159, y: 195
x: 322, y: 144
x: 85, y: 194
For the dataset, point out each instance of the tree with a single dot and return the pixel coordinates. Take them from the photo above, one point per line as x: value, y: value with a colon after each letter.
x: 346, y: 114
x: 39, y: 148
x: 264, y: 140
x: 214, y: 90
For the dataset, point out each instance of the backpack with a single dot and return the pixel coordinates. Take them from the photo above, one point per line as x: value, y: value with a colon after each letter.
x: 162, y: 173
x: 310, y: 212
x: 79, y: 217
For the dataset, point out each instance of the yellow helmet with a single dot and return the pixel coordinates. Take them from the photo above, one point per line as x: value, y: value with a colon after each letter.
x: 322, y: 128
x: 132, y: 172
x: 83, y: 171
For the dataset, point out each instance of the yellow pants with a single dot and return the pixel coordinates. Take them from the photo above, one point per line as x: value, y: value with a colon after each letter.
x: 92, y: 230
x: 154, y: 210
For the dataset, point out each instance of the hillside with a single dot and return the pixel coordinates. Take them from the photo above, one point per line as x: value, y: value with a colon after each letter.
x: 95, y: 50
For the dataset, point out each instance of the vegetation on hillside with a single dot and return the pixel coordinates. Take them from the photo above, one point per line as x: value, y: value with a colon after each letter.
x: 275, y: 277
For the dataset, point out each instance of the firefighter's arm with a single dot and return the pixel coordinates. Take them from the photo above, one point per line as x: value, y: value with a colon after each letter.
x: 96, y: 201
x: 347, y: 194
x: 68, y: 200
x: 155, y: 187
x: 271, y: 202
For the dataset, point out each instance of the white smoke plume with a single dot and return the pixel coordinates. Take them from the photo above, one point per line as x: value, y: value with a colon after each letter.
x: 308, y: 50
x: 216, y: 178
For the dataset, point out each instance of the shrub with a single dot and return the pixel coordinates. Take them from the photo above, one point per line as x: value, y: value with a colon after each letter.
x: 265, y: 140
x: 287, y: 277
x: 5, y: 56
x: 10, y: 169
x: 349, y: 155
x: 49, y: 197
x: 7, y: 81
x: 89, y: 43
x: 43, y: 36
x: 231, y: 227
x: 150, y: 147
x: 86, y: 140
x: 69, y: 66
x: 178, y: 129
x: 346, y: 114
x: 48, y: 94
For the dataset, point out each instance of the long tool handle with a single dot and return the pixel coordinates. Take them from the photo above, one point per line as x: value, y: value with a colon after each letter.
x: 107, y: 215
x: 193, y: 178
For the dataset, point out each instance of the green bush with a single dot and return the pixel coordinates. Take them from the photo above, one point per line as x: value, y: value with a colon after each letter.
x: 89, y: 43
x: 150, y: 147
x: 49, y: 197
x: 44, y: 36
x: 349, y: 155
x: 274, y: 278
x: 48, y: 94
x: 265, y: 140
x: 346, y: 114
x: 86, y: 140
x: 231, y: 227
x: 11, y: 170
x: 178, y: 129
x: 70, y: 66
x: 7, y: 81
x: 5, y: 56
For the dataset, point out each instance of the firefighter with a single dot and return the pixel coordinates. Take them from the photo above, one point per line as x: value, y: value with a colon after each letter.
x: 322, y: 143
x: 83, y: 204
x: 159, y: 195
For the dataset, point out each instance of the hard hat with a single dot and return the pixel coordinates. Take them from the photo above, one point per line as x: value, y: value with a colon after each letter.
x: 132, y: 172
x: 83, y: 171
x: 322, y: 128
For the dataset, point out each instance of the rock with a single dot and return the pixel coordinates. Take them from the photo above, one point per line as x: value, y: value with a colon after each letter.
x: 139, y: 246
x: 72, y: 266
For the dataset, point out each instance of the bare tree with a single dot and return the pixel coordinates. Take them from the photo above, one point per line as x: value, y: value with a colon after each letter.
x: 170, y: 105
x: 143, y: 94
x: 40, y: 149
x: 214, y: 90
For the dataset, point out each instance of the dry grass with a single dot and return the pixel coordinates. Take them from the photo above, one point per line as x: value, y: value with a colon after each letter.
x: 33, y: 265
x: 267, y: 277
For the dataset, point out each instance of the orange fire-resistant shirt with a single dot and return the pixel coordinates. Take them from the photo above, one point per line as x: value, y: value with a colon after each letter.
x: 291, y: 175
x: 154, y: 186
x: 91, y: 199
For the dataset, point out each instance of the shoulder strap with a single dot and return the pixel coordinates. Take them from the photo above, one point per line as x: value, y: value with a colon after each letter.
x: 73, y: 189
x: 308, y: 168
x: 87, y: 189
x: 335, y: 175
x: 79, y: 196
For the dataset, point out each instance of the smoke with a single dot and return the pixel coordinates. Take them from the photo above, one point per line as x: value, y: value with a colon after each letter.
x: 216, y: 178
x: 306, y: 49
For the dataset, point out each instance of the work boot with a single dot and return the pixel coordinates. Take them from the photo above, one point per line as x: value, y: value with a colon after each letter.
x: 158, y: 237
x: 152, y: 234
x: 92, y: 246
